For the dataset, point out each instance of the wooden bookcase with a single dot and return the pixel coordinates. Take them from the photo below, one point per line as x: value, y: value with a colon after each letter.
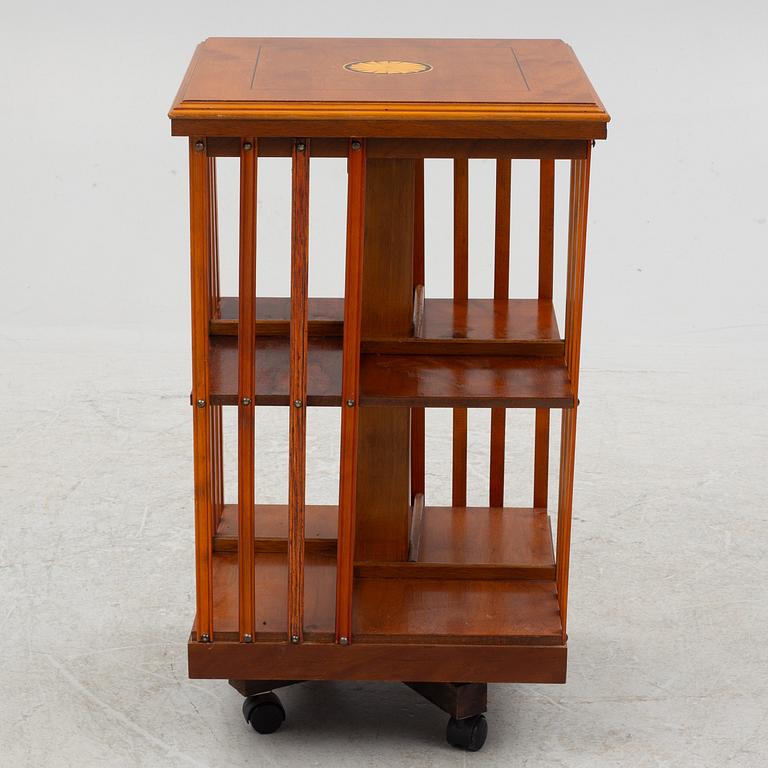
x: 382, y: 586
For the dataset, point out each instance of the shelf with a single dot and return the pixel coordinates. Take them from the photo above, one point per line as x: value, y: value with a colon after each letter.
x: 480, y: 353
x: 404, y: 602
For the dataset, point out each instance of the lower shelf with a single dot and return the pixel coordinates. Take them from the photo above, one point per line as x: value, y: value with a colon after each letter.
x: 484, y: 576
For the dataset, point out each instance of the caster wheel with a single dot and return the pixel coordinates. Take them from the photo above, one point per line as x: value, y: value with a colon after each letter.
x: 264, y: 712
x: 468, y: 733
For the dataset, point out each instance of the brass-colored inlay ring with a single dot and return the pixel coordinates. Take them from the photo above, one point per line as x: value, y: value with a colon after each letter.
x: 388, y: 67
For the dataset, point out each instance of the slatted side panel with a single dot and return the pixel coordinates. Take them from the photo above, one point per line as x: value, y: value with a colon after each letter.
x: 418, y: 437
x: 350, y: 387
x: 460, y: 292
x: 577, y: 232
x: 500, y: 292
x: 299, y: 332
x: 546, y: 266
x: 214, y: 294
x: 200, y: 240
x: 246, y: 389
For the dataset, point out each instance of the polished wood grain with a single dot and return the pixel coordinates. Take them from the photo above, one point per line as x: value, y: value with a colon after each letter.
x: 465, y: 381
x: 414, y: 149
x: 383, y: 468
x: 200, y: 240
x: 246, y: 385
x: 271, y: 529
x: 353, y: 287
x: 577, y: 238
x: 417, y: 609
x: 486, y: 535
x: 546, y: 279
x: 214, y: 292
x: 460, y: 294
x: 477, y: 88
x: 507, y: 663
x: 418, y: 416
x: 409, y: 380
x: 325, y: 317
x: 440, y: 326
x: 299, y: 345
x: 500, y: 293
x: 270, y: 584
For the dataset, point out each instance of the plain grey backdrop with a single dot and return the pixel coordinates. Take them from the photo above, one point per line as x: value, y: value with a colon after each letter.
x: 667, y: 649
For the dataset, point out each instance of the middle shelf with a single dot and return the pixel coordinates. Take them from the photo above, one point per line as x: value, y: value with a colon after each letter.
x: 475, y: 353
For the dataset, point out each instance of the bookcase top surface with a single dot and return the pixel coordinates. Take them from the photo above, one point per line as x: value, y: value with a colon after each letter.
x: 348, y: 80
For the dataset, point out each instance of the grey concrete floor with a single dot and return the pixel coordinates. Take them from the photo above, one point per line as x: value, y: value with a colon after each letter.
x: 668, y: 609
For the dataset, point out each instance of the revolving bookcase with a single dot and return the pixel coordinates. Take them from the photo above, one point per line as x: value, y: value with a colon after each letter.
x: 382, y: 586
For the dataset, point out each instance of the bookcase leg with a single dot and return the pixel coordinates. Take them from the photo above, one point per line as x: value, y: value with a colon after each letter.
x: 254, y: 687
x: 465, y: 703
x: 458, y: 700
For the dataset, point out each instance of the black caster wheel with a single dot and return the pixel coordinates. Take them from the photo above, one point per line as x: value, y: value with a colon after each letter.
x: 468, y: 733
x: 264, y: 712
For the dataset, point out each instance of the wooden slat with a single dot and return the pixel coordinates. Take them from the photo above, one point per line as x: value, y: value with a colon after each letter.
x: 215, y: 415
x: 246, y: 389
x: 574, y: 302
x: 418, y: 419
x: 298, y: 388
x: 460, y: 292
x: 350, y: 387
x: 500, y: 292
x: 546, y: 268
x: 199, y: 198
x: 417, y: 149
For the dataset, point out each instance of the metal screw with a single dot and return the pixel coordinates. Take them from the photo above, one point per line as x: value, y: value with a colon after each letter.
x: 355, y: 145
x: 205, y: 639
x: 246, y: 401
x: 301, y: 146
x: 201, y: 403
x: 199, y: 146
x: 247, y: 639
x: 350, y: 403
x: 343, y: 640
x: 294, y: 638
x: 247, y: 146
x: 298, y: 403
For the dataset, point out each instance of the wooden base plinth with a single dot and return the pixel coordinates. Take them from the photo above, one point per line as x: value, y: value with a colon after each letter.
x: 378, y: 661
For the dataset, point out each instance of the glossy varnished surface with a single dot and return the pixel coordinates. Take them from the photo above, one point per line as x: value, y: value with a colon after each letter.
x: 409, y: 379
x: 452, y: 609
x: 390, y: 609
x: 486, y: 535
x: 474, y: 83
x: 472, y: 337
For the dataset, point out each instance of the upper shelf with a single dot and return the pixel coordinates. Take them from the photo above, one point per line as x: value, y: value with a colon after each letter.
x: 476, y: 353
x: 417, y: 88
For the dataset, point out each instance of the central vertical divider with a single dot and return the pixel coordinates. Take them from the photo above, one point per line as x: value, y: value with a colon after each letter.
x: 383, y: 459
x: 460, y: 297
x: 297, y: 448
x: 500, y: 292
